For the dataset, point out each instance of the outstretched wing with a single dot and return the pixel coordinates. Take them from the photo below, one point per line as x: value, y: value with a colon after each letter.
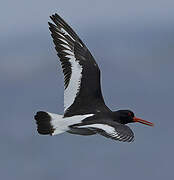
x: 82, y: 90
x: 111, y: 130
x: 118, y: 132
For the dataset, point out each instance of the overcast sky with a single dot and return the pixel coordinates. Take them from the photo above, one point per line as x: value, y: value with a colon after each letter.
x: 133, y: 43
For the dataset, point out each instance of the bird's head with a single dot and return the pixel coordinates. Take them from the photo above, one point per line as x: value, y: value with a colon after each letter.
x: 127, y: 116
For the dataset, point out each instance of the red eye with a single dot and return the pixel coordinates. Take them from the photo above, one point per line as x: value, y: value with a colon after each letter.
x: 129, y: 114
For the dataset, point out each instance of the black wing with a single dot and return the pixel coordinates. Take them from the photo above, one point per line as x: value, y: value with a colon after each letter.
x: 111, y: 130
x: 119, y: 132
x: 82, y: 89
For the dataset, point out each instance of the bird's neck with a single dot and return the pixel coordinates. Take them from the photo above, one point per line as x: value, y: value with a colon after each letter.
x: 116, y: 116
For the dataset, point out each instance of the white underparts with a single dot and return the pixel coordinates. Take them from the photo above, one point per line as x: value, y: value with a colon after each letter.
x: 61, y: 124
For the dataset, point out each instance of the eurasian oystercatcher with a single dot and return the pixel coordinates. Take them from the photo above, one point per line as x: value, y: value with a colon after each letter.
x: 85, y: 112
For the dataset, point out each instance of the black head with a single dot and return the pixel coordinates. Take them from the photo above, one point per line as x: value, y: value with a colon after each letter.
x: 127, y: 116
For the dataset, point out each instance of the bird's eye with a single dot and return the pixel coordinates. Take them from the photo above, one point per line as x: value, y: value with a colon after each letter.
x: 129, y: 114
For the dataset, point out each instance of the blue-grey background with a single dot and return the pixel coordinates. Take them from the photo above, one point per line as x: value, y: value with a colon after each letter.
x: 133, y: 43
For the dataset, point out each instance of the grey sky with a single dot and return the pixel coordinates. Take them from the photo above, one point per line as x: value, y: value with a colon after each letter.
x: 133, y: 43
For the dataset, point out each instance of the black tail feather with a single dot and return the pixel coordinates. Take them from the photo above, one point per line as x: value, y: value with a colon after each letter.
x: 43, y: 120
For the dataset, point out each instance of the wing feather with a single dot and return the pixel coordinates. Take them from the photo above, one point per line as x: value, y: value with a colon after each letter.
x: 114, y: 130
x: 81, y: 72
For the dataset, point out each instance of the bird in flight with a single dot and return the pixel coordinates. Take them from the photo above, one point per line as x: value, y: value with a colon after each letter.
x: 85, y: 112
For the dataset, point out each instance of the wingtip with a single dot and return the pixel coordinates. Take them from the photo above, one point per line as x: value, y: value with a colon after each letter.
x: 56, y: 15
x: 132, y: 140
x: 50, y: 26
x: 49, y: 23
x: 52, y: 17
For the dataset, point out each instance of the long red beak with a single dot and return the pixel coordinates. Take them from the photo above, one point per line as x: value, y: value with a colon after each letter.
x: 135, y: 119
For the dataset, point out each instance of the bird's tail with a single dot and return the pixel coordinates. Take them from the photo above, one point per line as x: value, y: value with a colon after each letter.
x: 48, y: 123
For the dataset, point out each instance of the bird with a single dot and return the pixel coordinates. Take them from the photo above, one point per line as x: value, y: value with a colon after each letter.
x: 85, y: 112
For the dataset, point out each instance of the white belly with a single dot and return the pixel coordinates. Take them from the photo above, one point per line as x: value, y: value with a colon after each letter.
x: 61, y: 124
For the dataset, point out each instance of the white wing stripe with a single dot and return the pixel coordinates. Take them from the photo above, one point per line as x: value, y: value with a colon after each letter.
x: 60, y: 34
x: 65, y: 33
x: 69, y: 52
x: 66, y: 46
x: 108, y: 129
x: 63, y: 40
x: 72, y: 90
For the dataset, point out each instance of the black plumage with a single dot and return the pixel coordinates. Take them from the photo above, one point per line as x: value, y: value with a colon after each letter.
x: 84, y: 102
